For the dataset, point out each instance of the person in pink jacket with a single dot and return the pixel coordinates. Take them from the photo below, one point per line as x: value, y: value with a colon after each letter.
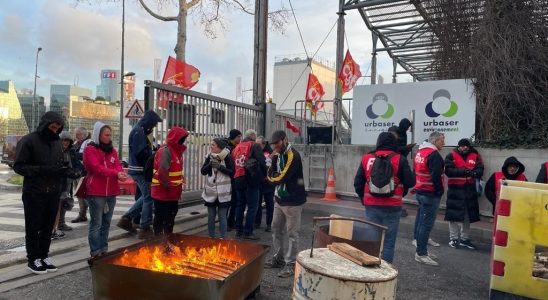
x: 103, y: 172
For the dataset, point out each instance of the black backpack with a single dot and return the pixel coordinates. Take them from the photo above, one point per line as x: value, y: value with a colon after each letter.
x: 381, y: 181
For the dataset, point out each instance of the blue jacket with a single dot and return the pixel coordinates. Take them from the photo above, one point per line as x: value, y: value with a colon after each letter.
x: 140, y: 148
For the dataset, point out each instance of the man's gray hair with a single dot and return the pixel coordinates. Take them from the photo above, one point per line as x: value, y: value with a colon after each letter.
x: 250, y: 134
x: 434, y: 136
x: 82, y: 130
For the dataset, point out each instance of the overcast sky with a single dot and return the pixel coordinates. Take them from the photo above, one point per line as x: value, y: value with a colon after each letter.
x: 80, y: 40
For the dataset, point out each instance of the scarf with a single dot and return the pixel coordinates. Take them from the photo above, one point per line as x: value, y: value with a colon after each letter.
x: 107, y: 148
x: 281, y: 190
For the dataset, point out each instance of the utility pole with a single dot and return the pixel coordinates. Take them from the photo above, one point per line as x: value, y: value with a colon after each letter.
x: 337, y: 105
x: 259, y: 60
x: 33, y: 114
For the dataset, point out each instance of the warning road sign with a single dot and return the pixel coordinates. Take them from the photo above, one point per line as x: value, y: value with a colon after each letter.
x: 135, y: 111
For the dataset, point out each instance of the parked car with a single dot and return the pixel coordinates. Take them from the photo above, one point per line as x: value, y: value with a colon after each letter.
x: 8, y: 149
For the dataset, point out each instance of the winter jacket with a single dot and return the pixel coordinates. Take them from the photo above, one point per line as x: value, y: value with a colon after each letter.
x: 435, y: 166
x: 255, y: 151
x: 403, y: 177
x: 218, y: 186
x: 266, y: 187
x: 140, y: 148
x: 167, y: 179
x: 542, y: 176
x: 402, y: 137
x: 492, y: 186
x: 102, y: 167
x: 39, y: 157
x: 286, y: 172
x: 462, y: 172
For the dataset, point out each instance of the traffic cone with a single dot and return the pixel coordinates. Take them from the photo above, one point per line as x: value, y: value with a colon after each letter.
x: 330, y: 188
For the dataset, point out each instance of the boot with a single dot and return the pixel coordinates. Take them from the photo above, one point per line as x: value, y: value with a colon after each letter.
x: 80, y: 219
x: 125, y: 224
x: 145, y: 233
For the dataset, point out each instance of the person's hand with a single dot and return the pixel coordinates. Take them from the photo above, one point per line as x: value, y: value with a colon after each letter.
x: 122, y: 176
x: 215, y: 163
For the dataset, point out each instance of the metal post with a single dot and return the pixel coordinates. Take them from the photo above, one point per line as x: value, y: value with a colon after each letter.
x: 269, y: 115
x: 337, y: 105
x: 259, y: 66
x: 374, y: 59
x: 395, y: 64
x: 33, y: 113
x: 121, y: 127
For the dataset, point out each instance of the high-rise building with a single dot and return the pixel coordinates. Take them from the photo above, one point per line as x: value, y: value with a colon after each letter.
x: 288, y: 88
x: 26, y: 98
x: 62, y: 94
x: 110, y: 86
x: 12, y: 119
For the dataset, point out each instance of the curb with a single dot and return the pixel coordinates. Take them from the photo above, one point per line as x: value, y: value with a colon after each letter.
x: 4, y: 186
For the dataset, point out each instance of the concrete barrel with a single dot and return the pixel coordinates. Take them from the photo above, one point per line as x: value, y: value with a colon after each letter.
x: 327, y: 275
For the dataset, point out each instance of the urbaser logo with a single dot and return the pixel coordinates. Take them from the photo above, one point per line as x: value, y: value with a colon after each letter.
x: 380, y: 107
x: 441, y: 102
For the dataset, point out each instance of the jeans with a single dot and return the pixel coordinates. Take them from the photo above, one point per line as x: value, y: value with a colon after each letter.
x: 164, y: 216
x: 142, y: 206
x: 417, y: 221
x: 269, y: 202
x: 285, y: 227
x: 388, y: 216
x: 212, y: 211
x: 248, y: 197
x: 40, y: 214
x: 427, y: 218
x: 100, y: 210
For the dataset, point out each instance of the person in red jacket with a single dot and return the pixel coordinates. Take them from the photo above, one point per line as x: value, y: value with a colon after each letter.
x: 167, y: 181
x: 103, y: 171
x: 384, y: 209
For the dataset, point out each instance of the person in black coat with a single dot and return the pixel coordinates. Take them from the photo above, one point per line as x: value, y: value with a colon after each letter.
x: 463, y: 166
x: 542, y: 176
x: 403, y: 148
x: 266, y: 189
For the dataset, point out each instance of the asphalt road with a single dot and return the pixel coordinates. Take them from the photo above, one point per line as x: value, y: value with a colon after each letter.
x: 462, y: 274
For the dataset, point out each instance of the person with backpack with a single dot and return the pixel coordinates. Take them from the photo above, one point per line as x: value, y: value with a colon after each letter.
x: 219, y: 169
x: 380, y: 181
x: 542, y: 176
x: 463, y: 167
x: 250, y: 168
x: 429, y: 177
x: 234, y: 138
x: 167, y: 181
x: 512, y: 169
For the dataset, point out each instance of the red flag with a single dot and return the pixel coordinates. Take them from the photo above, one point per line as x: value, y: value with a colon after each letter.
x: 314, y: 93
x: 292, y: 127
x: 180, y: 74
x: 349, y: 74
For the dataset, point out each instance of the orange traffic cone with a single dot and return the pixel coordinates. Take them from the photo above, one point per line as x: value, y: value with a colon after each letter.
x: 330, y: 189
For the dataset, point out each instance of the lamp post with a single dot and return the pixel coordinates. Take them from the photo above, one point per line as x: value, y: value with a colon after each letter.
x: 121, y: 137
x: 33, y: 113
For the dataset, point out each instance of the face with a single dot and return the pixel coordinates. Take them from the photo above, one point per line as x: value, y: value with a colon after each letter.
x: 261, y: 143
x: 55, y: 126
x: 464, y: 149
x: 279, y: 146
x: 214, y: 148
x: 512, y: 169
x: 440, y: 142
x: 105, y: 137
x: 66, y: 144
x: 238, y: 139
x: 79, y: 135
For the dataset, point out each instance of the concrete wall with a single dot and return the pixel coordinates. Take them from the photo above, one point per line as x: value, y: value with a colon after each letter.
x: 346, y: 160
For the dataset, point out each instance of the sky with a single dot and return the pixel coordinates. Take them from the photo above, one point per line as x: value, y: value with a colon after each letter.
x: 81, y: 38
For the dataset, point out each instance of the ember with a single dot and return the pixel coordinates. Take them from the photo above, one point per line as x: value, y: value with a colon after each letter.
x: 213, y: 262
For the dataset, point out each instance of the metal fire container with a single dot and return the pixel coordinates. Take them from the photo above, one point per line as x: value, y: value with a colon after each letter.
x: 113, y: 281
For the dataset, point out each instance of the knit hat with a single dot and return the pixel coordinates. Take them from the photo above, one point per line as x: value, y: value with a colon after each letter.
x: 234, y: 133
x: 464, y: 142
x: 65, y: 136
x: 220, y: 143
x: 277, y: 136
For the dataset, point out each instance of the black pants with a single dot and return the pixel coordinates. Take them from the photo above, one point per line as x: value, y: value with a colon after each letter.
x: 164, y: 216
x: 40, y: 213
x: 231, y: 218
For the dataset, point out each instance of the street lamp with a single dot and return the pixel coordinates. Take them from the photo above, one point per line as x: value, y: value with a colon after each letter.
x: 121, y: 130
x: 33, y: 113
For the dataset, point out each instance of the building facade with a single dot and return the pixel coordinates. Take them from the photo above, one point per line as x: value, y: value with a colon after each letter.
x: 110, y: 86
x: 12, y: 119
x: 26, y: 105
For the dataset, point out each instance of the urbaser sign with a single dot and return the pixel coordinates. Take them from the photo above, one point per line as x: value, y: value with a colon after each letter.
x: 448, y: 106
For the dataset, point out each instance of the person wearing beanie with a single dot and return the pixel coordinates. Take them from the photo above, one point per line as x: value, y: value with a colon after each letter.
x: 463, y: 167
x: 383, y: 206
x: 234, y: 138
x: 512, y: 169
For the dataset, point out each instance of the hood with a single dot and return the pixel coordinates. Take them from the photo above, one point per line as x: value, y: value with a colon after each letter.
x: 48, y: 118
x: 512, y: 161
x: 387, y: 141
x: 404, y: 125
x: 149, y: 120
x: 96, y: 130
x: 427, y: 144
x: 174, y: 135
x: 66, y: 136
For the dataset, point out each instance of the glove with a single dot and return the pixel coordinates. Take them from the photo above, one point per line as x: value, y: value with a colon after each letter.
x: 215, y: 163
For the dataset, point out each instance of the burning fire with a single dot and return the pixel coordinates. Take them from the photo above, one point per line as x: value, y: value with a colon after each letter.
x: 215, y: 262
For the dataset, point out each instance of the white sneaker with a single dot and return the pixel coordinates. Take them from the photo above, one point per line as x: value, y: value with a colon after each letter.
x: 432, y: 256
x: 414, y: 243
x: 425, y: 259
x: 432, y: 243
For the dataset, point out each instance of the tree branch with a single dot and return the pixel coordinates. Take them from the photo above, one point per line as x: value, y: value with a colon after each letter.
x: 192, y: 3
x: 243, y: 8
x: 157, y: 16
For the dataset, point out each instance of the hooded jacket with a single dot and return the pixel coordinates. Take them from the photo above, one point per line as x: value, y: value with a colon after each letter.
x: 404, y: 125
x: 167, y: 178
x: 39, y: 157
x: 140, y: 148
x: 102, y: 167
x: 492, y: 186
x: 435, y: 166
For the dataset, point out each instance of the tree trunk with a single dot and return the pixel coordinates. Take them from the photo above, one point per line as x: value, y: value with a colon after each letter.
x: 180, y: 48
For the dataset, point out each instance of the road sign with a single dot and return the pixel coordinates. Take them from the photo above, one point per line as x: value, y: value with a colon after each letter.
x: 135, y: 111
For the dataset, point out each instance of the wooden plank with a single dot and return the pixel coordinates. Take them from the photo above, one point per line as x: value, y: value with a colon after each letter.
x: 343, y: 254
x: 357, y: 255
x: 341, y: 228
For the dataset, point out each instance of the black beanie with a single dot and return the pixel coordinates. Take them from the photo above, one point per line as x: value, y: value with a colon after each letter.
x: 277, y: 136
x: 220, y: 143
x: 234, y: 133
x: 464, y: 142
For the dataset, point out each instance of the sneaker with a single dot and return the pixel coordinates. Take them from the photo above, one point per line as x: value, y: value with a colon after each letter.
x: 432, y: 243
x: 57, y: 235
x: 414, y: 243
x: 454, y: 244
x: 268, y: 229
x: 251, y: 237
x: 467, y: 244
x: 37, y: 267
x: 287, y: 271
x: 50, y: 267
x: 274, y: 264
x: 80, y: 219
x: 425, y: 259
x: 126, y: 224
x: 145, y: 233
x: 64, y: 227
x: 432, y: 256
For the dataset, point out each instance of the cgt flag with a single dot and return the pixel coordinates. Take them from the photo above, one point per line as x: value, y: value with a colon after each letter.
x: 314, y: 94
x: 349, y: 74
x: 292, y: 127
x: 180, y: 74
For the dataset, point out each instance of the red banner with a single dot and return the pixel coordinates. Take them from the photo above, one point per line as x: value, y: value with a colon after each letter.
x: 180, y: 74
x: 292, y: 127
x: 349, y: 74
x: 314, y: 94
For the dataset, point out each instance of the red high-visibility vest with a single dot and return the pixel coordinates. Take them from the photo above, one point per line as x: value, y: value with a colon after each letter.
x: 175, y: 175
x: 422, y: 171
x: 367, y: 165
x: 470, y: 164
x: 500, y: 176
x: 240, y: 154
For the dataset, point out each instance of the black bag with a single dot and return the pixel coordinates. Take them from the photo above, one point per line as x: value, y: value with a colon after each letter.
x: 381, y: 181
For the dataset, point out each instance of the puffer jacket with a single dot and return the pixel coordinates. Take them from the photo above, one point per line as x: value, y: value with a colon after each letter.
x: 102, y: 167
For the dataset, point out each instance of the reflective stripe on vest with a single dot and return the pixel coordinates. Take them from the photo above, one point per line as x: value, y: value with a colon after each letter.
x: 470, y: 164
x: 175, y: 173
x: 422, y: 172
x: 240, y: 155
x: 367, y: 164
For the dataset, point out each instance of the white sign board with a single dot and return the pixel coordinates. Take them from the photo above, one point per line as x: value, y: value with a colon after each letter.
x: 448, y: 106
